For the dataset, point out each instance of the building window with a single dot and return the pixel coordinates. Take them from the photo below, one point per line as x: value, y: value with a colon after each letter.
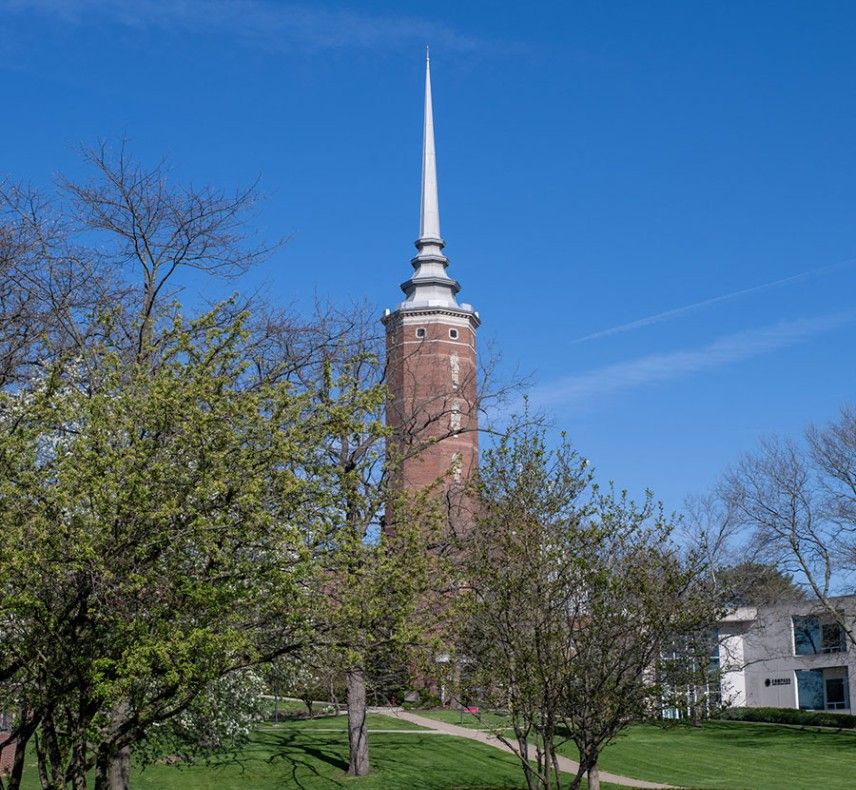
x: 453, y: 333
x: 810, y: 689
x: 832, y: 638
x: 836, y: 694
x: 823, y: 689
x: 806, y: 636
x: 420, y: 333
x: 811, y: 636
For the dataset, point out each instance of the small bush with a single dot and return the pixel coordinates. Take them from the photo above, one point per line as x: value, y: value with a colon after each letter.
x: 425, y: 700
x: 805, y: 718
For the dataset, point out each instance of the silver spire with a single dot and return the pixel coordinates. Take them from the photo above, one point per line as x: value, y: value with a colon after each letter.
x: 429, y: 214
x: 430, y: 286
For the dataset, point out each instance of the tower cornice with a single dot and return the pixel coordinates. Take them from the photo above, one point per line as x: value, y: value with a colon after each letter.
x: 464, y: 312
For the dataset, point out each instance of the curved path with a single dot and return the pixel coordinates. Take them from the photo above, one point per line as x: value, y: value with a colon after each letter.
x: 491, y: 740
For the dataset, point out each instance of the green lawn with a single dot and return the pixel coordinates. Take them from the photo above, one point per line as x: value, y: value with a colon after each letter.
x: 732, y: 755
x: 309, y: 756
x: 484, y: 721
x: 312, y: 755
x: 286, y: 708
x: 735, y: 755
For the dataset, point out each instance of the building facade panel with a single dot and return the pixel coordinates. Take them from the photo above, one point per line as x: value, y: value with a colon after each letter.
x: 789, y: 656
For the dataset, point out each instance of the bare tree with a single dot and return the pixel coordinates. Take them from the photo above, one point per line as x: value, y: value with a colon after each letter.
x: 735, y: 573
x: 47, y: 285
x: 709, y: 528
x: 156, y: 229
x: 798, y: 500
x: 833, y: 453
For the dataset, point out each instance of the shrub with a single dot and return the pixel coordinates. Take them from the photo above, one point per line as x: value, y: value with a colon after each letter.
x: 805, y: 718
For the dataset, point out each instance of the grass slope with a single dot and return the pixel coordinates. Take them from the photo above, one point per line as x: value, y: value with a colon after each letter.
x: 722, y: 755
x: 735, y: 755
x: 312, y: 755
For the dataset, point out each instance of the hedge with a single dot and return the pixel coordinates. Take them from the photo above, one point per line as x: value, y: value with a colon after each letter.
x: 807, y: 718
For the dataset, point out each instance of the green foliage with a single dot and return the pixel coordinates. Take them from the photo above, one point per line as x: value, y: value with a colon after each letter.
x: 217, y: 723
x: 573, y: 593
x: 804, y: 718
x: 158, y: 522
x: 374, y: 603
x: 757, y: 584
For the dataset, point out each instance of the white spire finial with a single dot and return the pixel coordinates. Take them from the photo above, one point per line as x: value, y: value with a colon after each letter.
x: 429, y: 215
x: 430, y: 286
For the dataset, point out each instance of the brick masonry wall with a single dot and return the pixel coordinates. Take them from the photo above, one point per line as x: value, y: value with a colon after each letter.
x: 432, y: 382
x: 7, y: 755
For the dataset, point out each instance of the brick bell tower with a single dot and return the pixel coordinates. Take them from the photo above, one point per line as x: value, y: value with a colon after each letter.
x: 431, y: 354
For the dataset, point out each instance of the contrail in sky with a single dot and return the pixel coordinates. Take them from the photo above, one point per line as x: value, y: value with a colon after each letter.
x: 668, y: 315
x: 589, y: 388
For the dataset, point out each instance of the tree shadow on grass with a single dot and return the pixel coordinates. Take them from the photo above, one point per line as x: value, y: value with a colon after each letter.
x: 404, y: 755
x: 301, y: 755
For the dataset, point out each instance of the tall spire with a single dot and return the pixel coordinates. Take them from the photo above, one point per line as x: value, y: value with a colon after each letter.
x: 430, y: 286
x: 429, y: 214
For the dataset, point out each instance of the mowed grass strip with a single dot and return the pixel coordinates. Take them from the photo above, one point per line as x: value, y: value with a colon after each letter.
x: 735, y: 755
x: 481, y: 721
x: 307, y: 755
x: 312, y: 755
x: 720, y: 755
x: 374, y: 721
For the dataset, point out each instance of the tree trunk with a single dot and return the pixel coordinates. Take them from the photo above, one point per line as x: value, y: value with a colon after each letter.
x: 102, y: 771
x: 113, y: 766
x: 42, y: 761
x: 557, y: 774
x: 119, y: 774
x: 358, y: 744
x: 594, y: 778
x: 112, y: 769
x: 523, y: 747
x: 18, y: 764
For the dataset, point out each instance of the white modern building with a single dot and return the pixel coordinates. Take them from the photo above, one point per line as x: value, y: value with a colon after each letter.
x: 789, y: 656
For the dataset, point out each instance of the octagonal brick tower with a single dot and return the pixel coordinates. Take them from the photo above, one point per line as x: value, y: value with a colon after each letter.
x: 431, y: 353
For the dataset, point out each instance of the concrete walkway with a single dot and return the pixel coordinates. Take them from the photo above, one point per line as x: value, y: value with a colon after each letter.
x: 481, y: 736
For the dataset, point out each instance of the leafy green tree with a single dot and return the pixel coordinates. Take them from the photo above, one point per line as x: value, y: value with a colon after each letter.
x: 216, y: 724
x: 88, y: 283
x: 377, y: 576
x: 520, y: 569
x: 572, y: 593
x: 124, y: 422
x: 157, y: 524
x: 756, y: 584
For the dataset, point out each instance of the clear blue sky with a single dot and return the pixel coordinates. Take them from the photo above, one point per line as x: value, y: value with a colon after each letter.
x: 599, y: 163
